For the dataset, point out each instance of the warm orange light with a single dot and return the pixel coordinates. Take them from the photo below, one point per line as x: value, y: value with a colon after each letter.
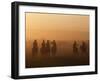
x: 57, y: 26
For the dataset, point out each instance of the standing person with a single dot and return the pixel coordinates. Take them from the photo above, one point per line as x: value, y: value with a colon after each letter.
x: 75, y: 47
x: 53, y: 48
x: 43, y: 48
x: 35, y: 48
x: 48, y: 47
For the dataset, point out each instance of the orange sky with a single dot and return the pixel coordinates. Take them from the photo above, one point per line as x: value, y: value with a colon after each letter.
x: 56, y: 26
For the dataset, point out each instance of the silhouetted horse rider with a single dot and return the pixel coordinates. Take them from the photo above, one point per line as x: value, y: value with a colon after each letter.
x: 53, y: 47
x: 43, y: 48
x: 75, y: 47
x: 35, y: 47
x: 83, y: 47
x: 48, y: 47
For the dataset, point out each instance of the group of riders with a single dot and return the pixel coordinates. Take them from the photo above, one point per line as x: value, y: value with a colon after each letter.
x: 50, y: 47
x: 82, y: 47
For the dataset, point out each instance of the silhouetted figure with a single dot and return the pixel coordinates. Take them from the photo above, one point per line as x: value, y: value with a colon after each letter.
x: 48, y: 47
x: 75, y: 47
x: 83, y: 47
x: 53, y: 48
x: 43, y: 48
x: 35, y: 48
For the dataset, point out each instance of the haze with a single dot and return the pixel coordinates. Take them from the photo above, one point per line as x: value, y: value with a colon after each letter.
x: 56, y: 26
